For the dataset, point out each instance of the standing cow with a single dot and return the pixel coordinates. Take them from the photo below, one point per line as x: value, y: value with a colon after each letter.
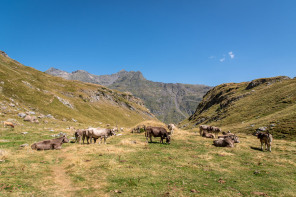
x: 171, y: 128
x: 80, y: 133
x: 50, y: 144
x: 98, y: 133
x: 216, y: 130
x: 157, y: 132
x: 265, y: 138
x: 209, y: 129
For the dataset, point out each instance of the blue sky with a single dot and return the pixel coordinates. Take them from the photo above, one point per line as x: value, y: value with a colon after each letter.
x: 186, y: 41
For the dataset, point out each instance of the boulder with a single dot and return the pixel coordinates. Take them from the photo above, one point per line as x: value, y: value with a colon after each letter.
x: 262, y: 129
x: 22, y: 115
x: 28, y: 118
x: 31, y: 113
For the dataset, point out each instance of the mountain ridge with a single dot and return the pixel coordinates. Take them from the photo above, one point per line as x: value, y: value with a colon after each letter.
x: 170, y: 102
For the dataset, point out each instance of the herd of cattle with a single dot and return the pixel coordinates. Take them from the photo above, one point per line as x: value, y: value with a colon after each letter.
x: 226, y: 140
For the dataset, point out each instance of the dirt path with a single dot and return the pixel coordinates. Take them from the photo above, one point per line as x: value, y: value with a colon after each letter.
x: 62, y: 181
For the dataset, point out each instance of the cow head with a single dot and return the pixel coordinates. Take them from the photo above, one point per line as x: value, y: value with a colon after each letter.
x: 235, y: 139
x: 168, y: 139
x: 112, y: 132
x: 256, y: 133
x: 65, y: 139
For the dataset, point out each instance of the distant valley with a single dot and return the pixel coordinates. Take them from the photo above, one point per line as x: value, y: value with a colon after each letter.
x: 169, y: 102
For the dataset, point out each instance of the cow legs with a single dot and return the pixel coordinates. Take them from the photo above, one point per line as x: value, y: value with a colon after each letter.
x: 200, y: 132
x: 83, y: 138
x: 150, y: 139
x: 57, y: 147
x: 269, y: 147
x: 261, y: 146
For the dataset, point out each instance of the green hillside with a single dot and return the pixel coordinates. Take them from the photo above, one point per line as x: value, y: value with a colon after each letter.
x: 24, y: 89
x: 244, y: 107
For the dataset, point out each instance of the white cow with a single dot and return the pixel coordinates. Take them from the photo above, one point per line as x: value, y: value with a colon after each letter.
x: 171, y: 127
x: 99, y: 133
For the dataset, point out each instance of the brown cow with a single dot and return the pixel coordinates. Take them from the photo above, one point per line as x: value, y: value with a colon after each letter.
x: 8, y: 124
x: 265, y: 138
x: 233, y: 137
x: 207, y: 135
x: 204, y: 128
x: 157, y: 132
x: 226, y: 142
x: 79, y: 133
x: 215, y: 130
x: 209, y: 129
x: 50, y: 144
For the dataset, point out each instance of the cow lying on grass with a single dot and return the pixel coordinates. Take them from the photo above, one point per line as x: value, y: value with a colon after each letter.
x: 5, y: 124
x: 265, y: 138
x: 50, y: 144
x: 207, y: 135
x: 209, y: 129
x: 157, y: 132
x: 226, y: 141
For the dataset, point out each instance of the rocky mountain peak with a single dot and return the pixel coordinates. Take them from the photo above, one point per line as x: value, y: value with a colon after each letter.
x: 3, y: 54
x: 169, y: 102
x: 58, y: 73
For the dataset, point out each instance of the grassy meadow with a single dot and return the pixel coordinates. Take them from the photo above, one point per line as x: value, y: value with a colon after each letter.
x: 234, y: 107
x: 128, y: 166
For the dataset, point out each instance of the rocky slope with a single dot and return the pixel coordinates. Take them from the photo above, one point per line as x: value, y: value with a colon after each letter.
x: 26, y: 90
x: 243, y: 107
x: 169, y: 102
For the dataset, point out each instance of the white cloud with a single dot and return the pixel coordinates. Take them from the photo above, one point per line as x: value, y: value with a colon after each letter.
x: 222, y: 60
x: 231, y: 55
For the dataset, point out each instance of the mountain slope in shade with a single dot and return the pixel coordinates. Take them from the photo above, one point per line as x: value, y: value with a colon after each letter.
x: 169, y: 102
x: 243, y: 107
x: 25, y: 89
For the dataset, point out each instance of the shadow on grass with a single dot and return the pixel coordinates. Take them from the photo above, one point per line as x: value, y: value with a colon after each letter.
x: 157, y: 143
x: 256, y: 148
